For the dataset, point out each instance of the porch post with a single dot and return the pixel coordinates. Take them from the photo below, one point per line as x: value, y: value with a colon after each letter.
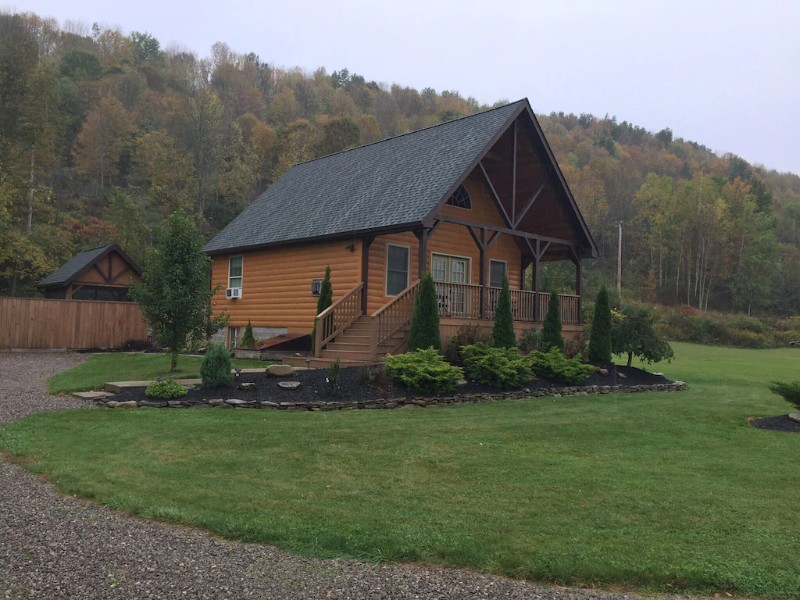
x: 422, y: 262
x: 578, y: 289
x: 535, y: 283
x: 484, y: 256
x: 366, y: 242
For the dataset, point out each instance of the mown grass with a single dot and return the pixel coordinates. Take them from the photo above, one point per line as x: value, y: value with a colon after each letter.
x: 129, y: 366
x: 658, y: 492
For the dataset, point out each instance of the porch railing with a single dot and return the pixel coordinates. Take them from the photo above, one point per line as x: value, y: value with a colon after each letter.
x: 463, y: 301
x: 337, y: 317
x: 393, y: 317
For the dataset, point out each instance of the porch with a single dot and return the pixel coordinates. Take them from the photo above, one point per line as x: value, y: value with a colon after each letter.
x: 346, y: 332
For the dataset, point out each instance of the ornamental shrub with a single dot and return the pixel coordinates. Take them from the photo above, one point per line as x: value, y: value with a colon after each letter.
x: 324, y: 301
x: 248, y: 340
x: 503, y: 368
x: 530, y: 340
x: 216, y: 368
x: 503, y: 330
x: 600, y: 337
x: 790, y: 390
x: 554, y: 365
x: 633, y: 333
x: 165, y: 389
x: 425, y: 320
x: 466, y: 335
x: 551, y: 329
x: 423, y: 371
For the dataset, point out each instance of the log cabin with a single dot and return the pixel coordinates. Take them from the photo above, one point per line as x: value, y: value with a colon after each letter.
x: 471, y: 200
x: 102, y: 273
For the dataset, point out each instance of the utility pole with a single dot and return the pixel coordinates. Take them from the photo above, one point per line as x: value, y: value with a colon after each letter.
x: 619, y: 262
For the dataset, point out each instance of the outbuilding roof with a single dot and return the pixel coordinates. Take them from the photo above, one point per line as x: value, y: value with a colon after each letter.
x: 70, y: 270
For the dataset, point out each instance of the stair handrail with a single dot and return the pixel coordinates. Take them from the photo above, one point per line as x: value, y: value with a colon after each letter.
x: 393, y: 316
x: 337, y: 317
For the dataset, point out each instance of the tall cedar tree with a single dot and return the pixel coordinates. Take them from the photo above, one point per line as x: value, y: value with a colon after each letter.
x: 324, y: 301
x: 600, y: 338
x: 174, y: 293
x: 551, y: 329
x: 503, y: 330
x: 425, y: 320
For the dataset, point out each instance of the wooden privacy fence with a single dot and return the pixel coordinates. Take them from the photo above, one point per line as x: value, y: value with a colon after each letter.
x: 33, y: 323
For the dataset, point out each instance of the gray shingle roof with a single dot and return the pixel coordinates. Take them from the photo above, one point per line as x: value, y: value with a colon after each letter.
x: 75, y: 265
x: 394, y: 182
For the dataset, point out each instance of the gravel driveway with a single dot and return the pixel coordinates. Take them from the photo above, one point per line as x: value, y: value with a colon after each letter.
x: 52, y: 546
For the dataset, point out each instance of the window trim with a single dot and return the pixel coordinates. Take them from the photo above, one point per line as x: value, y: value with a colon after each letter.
x: 386, y: 269
x: 469, y: 265
x: 233, y: 337
x: 241, y: 276
x: 505, y: 270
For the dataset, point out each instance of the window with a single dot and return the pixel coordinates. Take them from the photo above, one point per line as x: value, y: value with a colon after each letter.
x: 397, y: 259
x: 460, y: 198
x: 235, y: 272
x: 233, y: 337
x: 497, y: 270
x: 449, y: 269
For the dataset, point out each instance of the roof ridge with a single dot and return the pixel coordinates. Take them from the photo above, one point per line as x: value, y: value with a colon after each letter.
x: 394, y: 137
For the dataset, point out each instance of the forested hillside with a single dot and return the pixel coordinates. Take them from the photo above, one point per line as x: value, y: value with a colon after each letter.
x: 103, y: 134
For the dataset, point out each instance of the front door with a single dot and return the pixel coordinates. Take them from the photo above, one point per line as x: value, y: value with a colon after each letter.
x: 450, y: 274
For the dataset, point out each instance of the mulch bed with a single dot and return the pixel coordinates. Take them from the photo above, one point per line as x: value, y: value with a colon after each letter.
x: 357, y: 384
x: 779, y: 423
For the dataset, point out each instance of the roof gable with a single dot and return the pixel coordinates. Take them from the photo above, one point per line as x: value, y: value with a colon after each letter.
x: 70, y: 270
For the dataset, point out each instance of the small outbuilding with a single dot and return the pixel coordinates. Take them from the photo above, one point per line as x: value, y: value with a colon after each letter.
x: 102, y: 273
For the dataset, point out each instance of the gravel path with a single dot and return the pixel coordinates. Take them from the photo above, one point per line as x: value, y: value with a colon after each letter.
x: 52, y: 546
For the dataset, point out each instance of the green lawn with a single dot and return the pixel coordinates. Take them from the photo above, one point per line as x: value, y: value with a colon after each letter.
x: 129, y: 366
x: 667, y: 492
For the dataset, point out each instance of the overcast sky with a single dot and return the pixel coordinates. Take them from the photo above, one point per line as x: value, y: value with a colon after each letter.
x: 724, y: 73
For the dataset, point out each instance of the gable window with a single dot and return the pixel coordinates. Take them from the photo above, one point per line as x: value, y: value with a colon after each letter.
x: 497, y: 270
x: 460, y: 198
x: 397, y: 261
x: 235, y: 272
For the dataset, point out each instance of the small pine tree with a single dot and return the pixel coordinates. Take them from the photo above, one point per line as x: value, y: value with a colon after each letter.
x: 215, y: 370
x: 425, y: 320
x: 600, y: 338
x: 248, y: 340
x: 503, y: 330
x: 324, y: 301
x: 551, y: 329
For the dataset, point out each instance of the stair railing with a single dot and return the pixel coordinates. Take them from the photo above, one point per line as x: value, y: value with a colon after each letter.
x: 337, y: 317
x: 393, y: 317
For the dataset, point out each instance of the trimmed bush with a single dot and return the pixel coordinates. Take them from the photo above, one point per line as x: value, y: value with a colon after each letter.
x: 165, y: 389
x: 425, y: 320
x: 554, y: 365
x: 551, y: 329
x: 248, y: 340
x: 503, y: 330
x: 790, y: 390
x: 466, y: 335
x: 600, y: 337
x: 503, y: 368
x: 216, y: 367
x: 423, y: 371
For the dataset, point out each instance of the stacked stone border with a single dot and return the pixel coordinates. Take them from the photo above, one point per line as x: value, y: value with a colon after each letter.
x: 401, y: 402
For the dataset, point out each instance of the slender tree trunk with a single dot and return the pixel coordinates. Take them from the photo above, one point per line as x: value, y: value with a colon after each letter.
x: 30, y: 194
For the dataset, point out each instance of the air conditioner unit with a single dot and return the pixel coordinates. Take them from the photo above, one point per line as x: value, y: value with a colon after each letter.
x: 233, y: 293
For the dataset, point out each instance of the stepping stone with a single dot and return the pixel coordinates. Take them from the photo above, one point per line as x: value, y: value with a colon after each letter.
x: 280, y: 370
x: 289, y: 385
x: 92, y: 395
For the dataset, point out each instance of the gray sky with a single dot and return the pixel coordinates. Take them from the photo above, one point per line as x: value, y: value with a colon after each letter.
x: 723, y: 73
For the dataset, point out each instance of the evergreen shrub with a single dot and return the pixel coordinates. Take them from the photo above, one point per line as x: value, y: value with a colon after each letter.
x: 248, y: 340
x: 165, y: 389
x: 424, y: 331
x: 551, y: 329
x: 423, y: 371
x: 503, y: 330
x: 600, y: 337
x: 503, y: 368
x: 215, y: 370
x: 324, y: 301
x: 790, y: 390
x: 530, y: 340
x: 466, y: 335
x: 554, y: 365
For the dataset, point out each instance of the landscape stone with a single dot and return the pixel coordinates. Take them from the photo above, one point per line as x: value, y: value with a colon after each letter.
x: 795, y: 417
x: 461, y: 382
x: 247, y: 386
x: 268, y: 404
x: 280, y: 370
x: 111, y: 403
x: 235, y: 402
x: 126, y: 404
x: 289, y: 385
x: 603, y: 372
x: 92, y: 395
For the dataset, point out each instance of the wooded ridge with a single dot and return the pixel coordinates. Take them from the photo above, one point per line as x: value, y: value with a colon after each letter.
x: 102, y: 135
